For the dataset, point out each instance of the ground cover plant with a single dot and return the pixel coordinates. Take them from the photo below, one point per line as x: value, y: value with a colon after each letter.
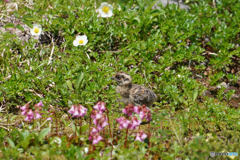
x: 58, y: 100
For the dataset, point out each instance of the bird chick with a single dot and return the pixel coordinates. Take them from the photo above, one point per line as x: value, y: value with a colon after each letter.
x: 132, y: 93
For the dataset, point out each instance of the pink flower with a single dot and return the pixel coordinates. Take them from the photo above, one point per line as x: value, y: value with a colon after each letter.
x: 71, y: 111
x: 28, y: 118
x: 95, y: 138
x: 148, y: 116
x: 78, y: 111
x: 134, y: 123
x: 24, y: 113
x: 95, y: 114
x: 145, y: 114
x: 49, y: 119
x: 137, y: 109
x: 100, y: 106
x: 83, y: 110
x: 94, y: 135
x: 140, y: 136
x: 123, y: 122
x: 37, y: 114
x: 128, y: 110
x: 30, y: 115
x: 101, y: 122
x: 25, y: 107
x: 94, y: 131
x: 40, y: 104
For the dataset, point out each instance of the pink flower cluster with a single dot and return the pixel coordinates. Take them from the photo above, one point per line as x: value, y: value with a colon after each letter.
x: 142, y: 111
x: 30, y: 114
x: 99, y: 120
x: 78, y: 111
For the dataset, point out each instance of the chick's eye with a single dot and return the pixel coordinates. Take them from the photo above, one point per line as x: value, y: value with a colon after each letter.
x: 117, y: 77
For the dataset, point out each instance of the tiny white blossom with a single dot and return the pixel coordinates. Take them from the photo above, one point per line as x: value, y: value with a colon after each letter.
x: 105, y: 10
x: 36, y: 30
x: 80, y: 40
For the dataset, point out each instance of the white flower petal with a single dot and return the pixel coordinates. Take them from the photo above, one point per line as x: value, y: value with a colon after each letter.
x: 75, y: 43
x: 31, y: 31
x: 110, y: 14
x: 102, y: 13
x: 84, y: 38
x: 103, y: 4
x: 85, y: 42
x: 37, y: 26
x: 110, y: 7
x: 78, y: 37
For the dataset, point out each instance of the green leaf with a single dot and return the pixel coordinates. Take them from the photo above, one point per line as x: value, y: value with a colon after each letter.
x: 29, y: 18
x: 80, y: 157
x: 157, y: 12
x: 195, y: 94
x: 23, y: 135
x: 79, y: 83
x: 69, y: 84
x: 129, y: 60
x: 16, y: 14
x: 73, y: 127
x: 10, y: 142
x: 141, y: 4
x: 185, y: 102
x: 84, y: 128
x: 149, y: 7
x: 8, y: 35
x: 13, y: 117
x: 43, y: 133
x: 9, y: 25
x: 137, y: 19
x: 19, y: 27
x: 29, y: 24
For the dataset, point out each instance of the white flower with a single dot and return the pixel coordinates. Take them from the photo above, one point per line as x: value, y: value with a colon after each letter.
x: 80, y: 40
x: 36, y: 30
x: 105, y: 10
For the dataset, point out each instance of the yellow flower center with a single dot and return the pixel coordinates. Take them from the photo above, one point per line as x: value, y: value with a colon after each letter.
x: 105, y: 9
x: 80, y: 42
x: 36, y: 30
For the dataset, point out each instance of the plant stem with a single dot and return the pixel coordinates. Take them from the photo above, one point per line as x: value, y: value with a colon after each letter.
x: 56, y: 122
x: 75, y: 131
x: 110, y: 131
x: 149, y: 135
x: 126, y: 138
x: 80, y: 125
x: 109, y: 124
x: 90, y: 121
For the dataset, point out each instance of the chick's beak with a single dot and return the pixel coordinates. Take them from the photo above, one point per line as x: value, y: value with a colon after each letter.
x: 112, y: 77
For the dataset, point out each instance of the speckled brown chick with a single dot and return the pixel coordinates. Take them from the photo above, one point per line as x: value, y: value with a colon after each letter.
x: 132, y: 93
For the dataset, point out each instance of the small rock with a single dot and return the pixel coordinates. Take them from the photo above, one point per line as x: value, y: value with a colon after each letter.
x: 20, y: 126
x: 223, y: 84
x: 166, y: 2
x: 234, y: 104
x: 206, y: 40
x: 208, y: 94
